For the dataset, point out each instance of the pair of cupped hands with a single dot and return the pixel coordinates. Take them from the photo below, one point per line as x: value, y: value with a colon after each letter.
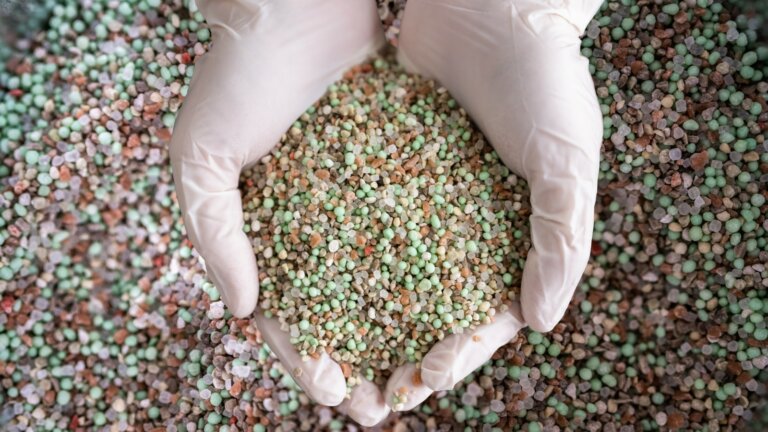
x: 514, y: 65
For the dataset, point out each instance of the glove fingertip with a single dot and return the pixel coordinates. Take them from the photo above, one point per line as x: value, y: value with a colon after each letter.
x: 329, y: 398
x: 406, y: 389
x: 242, y: 309
x: 238, y: 293
x: 541, y: 309
x: 332, y: 389
x: 366, y: 405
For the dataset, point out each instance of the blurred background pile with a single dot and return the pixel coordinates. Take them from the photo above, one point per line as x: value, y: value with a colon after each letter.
x: 107, y: 319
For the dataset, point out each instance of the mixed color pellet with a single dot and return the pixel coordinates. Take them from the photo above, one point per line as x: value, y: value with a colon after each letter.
x: 108, y: 322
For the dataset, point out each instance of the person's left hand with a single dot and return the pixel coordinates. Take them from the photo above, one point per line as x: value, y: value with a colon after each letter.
x: 517, y: 69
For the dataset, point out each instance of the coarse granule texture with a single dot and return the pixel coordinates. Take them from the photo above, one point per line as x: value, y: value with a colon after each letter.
x: 391, y: 14
x: 383, y: 221
x: 107, y: 320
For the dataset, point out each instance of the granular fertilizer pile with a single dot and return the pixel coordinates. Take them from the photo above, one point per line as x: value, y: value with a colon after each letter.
x: 107, y: 320
x: 383, y: 221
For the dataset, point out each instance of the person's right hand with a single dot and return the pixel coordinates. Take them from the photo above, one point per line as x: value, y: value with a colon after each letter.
x: 269, y: 61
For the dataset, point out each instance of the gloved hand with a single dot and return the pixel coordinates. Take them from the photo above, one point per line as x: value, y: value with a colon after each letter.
x: 268, y: 62
x: 516, y: 67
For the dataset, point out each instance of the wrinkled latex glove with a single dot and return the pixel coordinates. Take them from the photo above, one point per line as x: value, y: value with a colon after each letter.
x: 268, y: 62
x: 516, y: 67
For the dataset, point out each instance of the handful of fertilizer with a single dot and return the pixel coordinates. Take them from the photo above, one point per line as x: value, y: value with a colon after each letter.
x: 383, y: 222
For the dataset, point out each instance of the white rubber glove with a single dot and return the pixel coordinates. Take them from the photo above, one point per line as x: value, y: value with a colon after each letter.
x: 516, y: 67
x: 268, y: 62
x: 366, y: 404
